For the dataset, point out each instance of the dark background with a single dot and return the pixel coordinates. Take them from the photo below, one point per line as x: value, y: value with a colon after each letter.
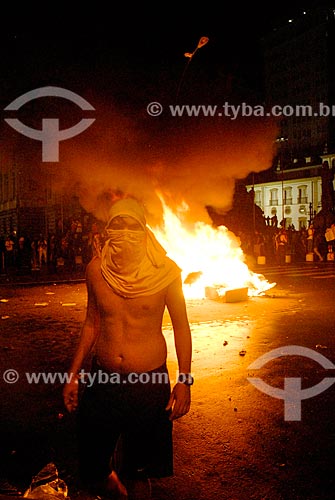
x: 137, y: 51
x: 121, y: 57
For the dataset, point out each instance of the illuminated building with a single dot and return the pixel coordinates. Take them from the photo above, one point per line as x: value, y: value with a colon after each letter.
x: 299, y: 78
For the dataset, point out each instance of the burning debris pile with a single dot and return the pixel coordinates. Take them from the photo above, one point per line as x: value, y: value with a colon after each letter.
x: 211, y: 259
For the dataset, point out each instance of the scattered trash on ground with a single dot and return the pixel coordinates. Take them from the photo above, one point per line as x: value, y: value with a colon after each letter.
x: 6, y: 488
x: 46, y: 485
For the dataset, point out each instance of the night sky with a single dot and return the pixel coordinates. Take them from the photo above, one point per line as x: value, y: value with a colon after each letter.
x: 121, y: 60
x: 139, y: 47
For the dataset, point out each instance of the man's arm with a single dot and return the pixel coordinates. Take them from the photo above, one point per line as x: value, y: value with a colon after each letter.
x: 180, y: 399
x: 88, y: 336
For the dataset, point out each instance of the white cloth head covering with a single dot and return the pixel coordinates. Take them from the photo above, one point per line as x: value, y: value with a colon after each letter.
x: 134, y: 263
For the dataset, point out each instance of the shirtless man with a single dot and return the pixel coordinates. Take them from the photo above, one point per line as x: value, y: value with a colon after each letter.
x: 129, y: 285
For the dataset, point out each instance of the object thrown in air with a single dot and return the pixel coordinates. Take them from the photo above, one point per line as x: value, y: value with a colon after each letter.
x: 203, y: 40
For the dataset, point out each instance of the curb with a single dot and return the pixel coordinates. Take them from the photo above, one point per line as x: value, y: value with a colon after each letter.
x: 42, y: 282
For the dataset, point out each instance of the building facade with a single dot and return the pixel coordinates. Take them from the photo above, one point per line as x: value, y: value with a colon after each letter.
x: 299, y: 74
x: 30, y: 204
x: 294, y: 195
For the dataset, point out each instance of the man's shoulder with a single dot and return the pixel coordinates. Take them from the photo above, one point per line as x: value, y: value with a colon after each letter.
x: 93, y: 267
x: 175, y: 285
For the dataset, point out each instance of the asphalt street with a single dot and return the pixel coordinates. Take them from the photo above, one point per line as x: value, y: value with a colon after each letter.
x: 241, y: 440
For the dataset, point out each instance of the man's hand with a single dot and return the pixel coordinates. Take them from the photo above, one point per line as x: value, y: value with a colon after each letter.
x: 70, y: 394
x: 180, y: 401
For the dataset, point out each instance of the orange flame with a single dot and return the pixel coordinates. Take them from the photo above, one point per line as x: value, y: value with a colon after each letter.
x: 208, y: 256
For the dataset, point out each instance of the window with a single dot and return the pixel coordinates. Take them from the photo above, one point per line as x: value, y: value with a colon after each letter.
x: 302, y: 221
x: 302, y: 194
x: 258, y: 197
x: 274, y: 196
x: 287, y: 196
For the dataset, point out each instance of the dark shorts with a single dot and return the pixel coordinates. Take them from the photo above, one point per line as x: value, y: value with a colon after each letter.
x: 123, y: 424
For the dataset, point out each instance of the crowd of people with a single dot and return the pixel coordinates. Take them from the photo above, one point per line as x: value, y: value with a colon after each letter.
x: 70, y: 250
x: 281, y: 245
x: 73, y: 249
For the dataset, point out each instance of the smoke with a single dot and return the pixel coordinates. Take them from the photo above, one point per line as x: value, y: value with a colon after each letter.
x: 184, y: 160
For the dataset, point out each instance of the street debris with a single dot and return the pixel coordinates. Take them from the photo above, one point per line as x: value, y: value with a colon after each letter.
x: 7, y: 488
x: 47, y: 485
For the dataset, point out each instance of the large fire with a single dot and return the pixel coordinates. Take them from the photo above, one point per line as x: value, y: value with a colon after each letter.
x: 210, y: 258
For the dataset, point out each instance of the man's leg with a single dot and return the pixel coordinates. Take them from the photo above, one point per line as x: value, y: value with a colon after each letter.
x: 147, y: 440
x: 98, y: 431
x: 147, y: 443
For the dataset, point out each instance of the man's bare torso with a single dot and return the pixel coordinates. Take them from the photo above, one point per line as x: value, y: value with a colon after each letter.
x: 130, y: 337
